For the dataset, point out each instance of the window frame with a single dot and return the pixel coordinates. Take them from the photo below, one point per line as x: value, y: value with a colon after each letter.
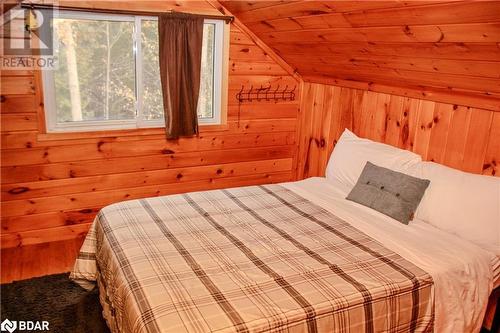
x: 49, y: 95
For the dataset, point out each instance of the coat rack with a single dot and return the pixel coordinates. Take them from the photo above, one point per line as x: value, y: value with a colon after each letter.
x: 266, y: 93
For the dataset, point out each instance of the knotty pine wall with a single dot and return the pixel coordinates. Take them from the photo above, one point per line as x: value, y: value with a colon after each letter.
x: 454, y: 135
x: 53, y: 185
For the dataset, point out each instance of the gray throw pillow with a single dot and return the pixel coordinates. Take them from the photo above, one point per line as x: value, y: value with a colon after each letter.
x: 392, y: 193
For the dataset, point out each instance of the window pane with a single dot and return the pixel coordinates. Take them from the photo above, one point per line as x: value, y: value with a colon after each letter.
x: 205, y: 103
x: 96, y: 78
x: 152, y: 100
x: 96, y: 75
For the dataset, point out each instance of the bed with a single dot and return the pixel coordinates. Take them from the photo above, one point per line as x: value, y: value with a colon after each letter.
x: 291, y: 257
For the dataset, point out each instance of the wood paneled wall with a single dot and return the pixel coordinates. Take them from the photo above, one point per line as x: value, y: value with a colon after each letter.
x: 444, y: 51
x: 53, y: 185
x: 461, y: 137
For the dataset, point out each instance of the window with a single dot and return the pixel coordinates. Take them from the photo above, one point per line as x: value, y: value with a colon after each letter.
x: 108, y: 73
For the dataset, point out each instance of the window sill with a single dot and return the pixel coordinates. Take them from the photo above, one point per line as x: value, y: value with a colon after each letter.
x: 121, y: 133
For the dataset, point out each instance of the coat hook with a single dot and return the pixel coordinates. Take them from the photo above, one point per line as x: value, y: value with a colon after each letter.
x: 269, y: 93
x: 283, y: 93
x: 292, y: 93
x: 275, y: 94
x: 250, y: 94
x: 239, y: 96
x: 258, y: 92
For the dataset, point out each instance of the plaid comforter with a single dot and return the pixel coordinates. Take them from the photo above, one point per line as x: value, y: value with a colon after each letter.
x: 249, y: 259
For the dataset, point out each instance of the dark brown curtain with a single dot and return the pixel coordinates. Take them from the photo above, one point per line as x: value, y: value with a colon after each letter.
x: 181, y: 39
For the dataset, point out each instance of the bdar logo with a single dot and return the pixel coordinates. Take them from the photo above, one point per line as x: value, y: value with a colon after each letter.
x: 8, y: 325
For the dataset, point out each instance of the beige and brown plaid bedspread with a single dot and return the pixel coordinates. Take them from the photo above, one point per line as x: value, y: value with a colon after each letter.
x: 249, y: 259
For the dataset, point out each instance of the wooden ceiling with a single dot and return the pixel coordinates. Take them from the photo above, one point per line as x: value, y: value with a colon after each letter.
x: 451, y: 46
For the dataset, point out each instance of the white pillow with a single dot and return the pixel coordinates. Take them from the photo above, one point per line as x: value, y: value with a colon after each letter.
x: 351, y: 154
x: 461, y: 203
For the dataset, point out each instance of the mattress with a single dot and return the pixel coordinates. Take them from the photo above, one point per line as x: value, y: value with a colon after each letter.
x: 463, y: 273
x: 250, y: 259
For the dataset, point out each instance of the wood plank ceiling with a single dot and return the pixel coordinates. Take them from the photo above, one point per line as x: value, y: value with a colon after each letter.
x: 445, y: 46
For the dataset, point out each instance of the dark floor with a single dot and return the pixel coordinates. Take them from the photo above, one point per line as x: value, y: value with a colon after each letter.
x: 56, y: 299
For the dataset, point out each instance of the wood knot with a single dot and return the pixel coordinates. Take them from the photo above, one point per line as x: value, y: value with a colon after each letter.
x: 99, y: 145
x: 317, y: 12
x: 219, y: 171
x: 407, y: 31
x: 2, y: 98
x: 19, y: 190
x: 167, y: 151
x: 179, y: 176
x: 268, y: 24
x: 405, y: 133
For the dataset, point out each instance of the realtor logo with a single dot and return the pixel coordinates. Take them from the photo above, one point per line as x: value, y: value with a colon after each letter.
x: 27, y: 36
x: 23, y: 325
x: 8, y: 326
x: 28, y: 32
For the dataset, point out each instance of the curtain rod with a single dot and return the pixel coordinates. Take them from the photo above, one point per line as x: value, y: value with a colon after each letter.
x: 25, y: 5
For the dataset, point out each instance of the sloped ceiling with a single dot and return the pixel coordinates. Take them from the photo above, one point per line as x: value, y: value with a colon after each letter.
x: 445, y: 45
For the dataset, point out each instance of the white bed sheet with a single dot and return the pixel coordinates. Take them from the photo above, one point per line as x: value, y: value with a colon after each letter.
x: 462, y: 272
